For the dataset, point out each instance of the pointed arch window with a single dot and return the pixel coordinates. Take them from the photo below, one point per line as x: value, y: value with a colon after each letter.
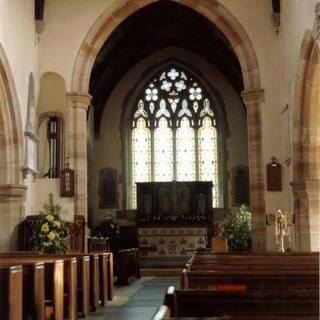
x: 174, y: 133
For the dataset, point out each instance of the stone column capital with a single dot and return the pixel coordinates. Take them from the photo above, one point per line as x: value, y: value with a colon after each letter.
x: 254, y: 96
x: 79, y: 100
x: 13, y: 192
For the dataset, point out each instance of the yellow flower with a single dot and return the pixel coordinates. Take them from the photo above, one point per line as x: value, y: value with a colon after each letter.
x: 47, y: 244
x: 50, y: 217
x: 45, y: 228
x: 57, y: 223
x: 51, y: 235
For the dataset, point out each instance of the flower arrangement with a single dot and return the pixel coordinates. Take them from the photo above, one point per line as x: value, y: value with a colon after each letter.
x: 237, y: 229
x: 111, y: 225
x: 50, y: 235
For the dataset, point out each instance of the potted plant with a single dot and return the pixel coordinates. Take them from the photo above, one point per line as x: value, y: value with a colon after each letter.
x: 50, y: 235
x: 237, y: 229
x: 111, y: 229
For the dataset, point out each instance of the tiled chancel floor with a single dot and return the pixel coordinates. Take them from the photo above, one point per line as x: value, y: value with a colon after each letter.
x: 138, y: 301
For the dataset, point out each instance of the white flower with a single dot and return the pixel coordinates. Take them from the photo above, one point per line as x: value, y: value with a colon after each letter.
x: 173, y: 74
x: 180, y: 85
x: 151, y: 94
x: 195, y: 93
x: 166, y: 85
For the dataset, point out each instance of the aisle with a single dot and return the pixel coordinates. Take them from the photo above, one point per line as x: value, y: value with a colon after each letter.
x: 138, y: 301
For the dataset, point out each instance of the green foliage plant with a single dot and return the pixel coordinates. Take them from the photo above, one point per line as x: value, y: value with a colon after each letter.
x: 50, y: 235
x: 237, y: 229
x: 111, y: 225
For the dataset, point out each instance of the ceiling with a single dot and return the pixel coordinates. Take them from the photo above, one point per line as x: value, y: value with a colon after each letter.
x: 157, y: 26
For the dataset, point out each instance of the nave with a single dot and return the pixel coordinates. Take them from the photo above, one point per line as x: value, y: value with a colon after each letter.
x: 265, y: 286
x: 139, y: 301
x: 159, y: 137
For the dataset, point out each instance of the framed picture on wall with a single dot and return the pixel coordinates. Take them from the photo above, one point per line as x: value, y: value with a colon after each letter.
x: 108, y: 188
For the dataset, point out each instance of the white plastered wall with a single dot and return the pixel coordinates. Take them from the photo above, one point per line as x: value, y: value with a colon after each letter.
x: 17, y: 37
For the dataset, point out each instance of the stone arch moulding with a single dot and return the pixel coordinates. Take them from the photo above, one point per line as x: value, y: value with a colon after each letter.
x: 12, y: 192
x: 11, y: 126
x: 306, y: 148
x: 253, y: 95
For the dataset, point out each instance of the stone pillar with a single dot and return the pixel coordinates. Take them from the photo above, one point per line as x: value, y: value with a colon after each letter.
x: 76, y: 147
x: 12, y: 197
x: 252, y: 99
x: 307, y: 208
x: 306, y: 171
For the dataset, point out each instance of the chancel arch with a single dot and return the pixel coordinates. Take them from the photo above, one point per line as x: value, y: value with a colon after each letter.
x: 112, y: 145
x: 253, y: 95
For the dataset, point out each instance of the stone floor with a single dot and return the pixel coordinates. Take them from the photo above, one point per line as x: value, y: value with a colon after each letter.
x: 138, y: 301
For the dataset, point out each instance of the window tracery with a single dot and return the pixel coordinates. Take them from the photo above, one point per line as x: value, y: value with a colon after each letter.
x: 174, y: 132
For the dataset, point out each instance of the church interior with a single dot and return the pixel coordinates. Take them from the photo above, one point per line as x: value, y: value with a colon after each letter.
x: 159, y: 159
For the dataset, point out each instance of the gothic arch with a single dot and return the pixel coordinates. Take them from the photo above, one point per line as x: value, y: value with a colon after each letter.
x: 119, y: 11
x: 306, y: 144
x: 253, y: 95
x: 11, y: 142
x: 12, y: 192
x: 131, y: 102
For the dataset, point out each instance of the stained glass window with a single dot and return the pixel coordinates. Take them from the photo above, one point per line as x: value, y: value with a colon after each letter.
x: 174, y: 134
x: 141, y: 156
x: 208, y: 157
x: 163, y: 152
x: 185, y: 150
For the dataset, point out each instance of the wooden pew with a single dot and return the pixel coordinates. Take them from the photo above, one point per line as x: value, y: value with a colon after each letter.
x: 95, y: 276
x: 11, y: 278
x: 54, y: 282
x: 211, y: 303
x: 254, y: 271
x: 33, y: 289
x: 82, y: 283
x: 94, y: 280
x: 106, y: 276
x: 92, y: 268
x: 240, y: 258
x: 128, y: 262
x: 163, y: 313
x: 79, y: 279
x: 250, y: 279
x: 100, y: 276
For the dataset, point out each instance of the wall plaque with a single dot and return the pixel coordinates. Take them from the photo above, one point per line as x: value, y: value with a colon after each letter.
x: 274, y: 176
x: 108, y: 188
x: 67, y: 182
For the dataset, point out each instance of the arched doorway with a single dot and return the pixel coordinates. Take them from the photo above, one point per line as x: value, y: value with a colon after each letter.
x: 252, y: 95
x: 12, y: 193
